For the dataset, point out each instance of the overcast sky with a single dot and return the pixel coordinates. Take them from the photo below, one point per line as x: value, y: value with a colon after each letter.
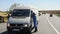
x: 41, y: 4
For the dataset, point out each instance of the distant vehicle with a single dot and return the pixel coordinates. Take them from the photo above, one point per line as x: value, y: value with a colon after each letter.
x: 51, y: 15
x: 20, y: 20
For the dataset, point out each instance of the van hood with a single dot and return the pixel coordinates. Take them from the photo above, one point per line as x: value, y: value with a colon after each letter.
x: 20, y: 20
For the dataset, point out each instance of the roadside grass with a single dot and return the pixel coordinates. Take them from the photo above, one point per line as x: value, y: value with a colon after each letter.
x: 3, y: 14
x: 57, y: 15
x: 5, y: 20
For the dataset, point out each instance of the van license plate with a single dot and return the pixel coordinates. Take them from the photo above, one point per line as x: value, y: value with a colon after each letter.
x: 16, y: 29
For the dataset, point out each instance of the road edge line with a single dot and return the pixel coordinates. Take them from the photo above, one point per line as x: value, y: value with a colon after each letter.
x: 53, y: 26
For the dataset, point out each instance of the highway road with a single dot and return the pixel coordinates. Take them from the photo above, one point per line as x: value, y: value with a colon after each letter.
x: 44, y: 25
x: 55, y: 22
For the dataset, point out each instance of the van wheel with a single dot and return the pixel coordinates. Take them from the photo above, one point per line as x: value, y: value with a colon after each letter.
x: 29, y: 31
x: 9, y: 31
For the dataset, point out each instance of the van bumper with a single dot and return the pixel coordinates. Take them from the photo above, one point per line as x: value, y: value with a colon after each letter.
x: 18, y: 28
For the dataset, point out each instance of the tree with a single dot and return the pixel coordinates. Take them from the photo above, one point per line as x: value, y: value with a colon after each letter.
x: 12, y: 7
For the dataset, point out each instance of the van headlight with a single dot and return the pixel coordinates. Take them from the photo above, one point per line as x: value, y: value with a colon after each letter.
x: 25, y: 25
x: 8, y: 24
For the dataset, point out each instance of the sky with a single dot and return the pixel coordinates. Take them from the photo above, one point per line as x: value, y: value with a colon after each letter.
x: 40, y: 4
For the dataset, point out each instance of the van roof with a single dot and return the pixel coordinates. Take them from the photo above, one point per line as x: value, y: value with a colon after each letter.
x: 24, y: 7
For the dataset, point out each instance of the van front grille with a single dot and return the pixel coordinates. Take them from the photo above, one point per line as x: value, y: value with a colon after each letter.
x: 16, y: 24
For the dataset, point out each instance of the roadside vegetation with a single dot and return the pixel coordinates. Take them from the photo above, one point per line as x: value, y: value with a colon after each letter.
x: 4, y: 15
x: 57, y: 15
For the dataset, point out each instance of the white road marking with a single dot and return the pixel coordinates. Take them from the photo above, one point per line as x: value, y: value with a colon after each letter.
x: 53, y: 26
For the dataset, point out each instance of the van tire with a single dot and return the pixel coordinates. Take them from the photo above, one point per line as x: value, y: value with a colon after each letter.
x: 9, y: 31
x: 29, y: 31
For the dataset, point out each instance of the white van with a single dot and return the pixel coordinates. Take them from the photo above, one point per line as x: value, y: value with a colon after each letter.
x: 20, y: 19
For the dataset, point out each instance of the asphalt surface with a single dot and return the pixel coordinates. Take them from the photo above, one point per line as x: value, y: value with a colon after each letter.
x: 43, y: 26
x: 55, y: 22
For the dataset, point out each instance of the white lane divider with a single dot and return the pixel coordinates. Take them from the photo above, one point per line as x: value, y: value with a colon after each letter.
x: 53, y: 26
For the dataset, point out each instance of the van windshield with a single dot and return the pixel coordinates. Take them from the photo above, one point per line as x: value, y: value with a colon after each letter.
x: 21, y: 12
